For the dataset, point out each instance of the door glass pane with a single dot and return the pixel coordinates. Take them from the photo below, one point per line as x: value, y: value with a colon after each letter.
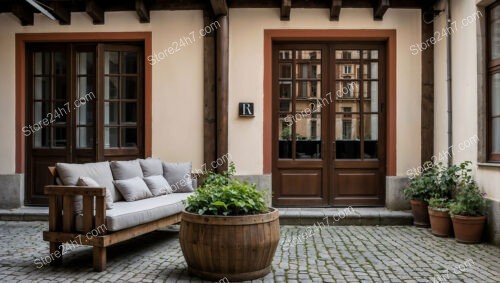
x: 129, y: 63
x: 347, y: 54
x: 285, y: 105
x: 111, y: 62
x: 308, y: 71
x: 370, y: 71
x: 285, y: 54
x: 42, y: 137
x: 85, y: 86
x: 59, y: 139
x: 42, y: 110
x: 42, y: 63
x: 308, y: 89
x: 111, y: 113
x: 285, y: 136
x: 285, y: 89
x: 495, y: 94
x: 111, y: 87
x: 85, y: 61
x: 129, y: 112
x: 347, y: 71
x: 60, y: 113
x: 370, y: 125
x: 308, y: 133
x: 308, y: 54
x: 60, y: 89
x: 347, y: 106
x: 85, y: 137
x: 347, y: 142
x: 495, y: 135
x: 129, y: 137
x: 110, y: 137
x: 495, y: 39
x: 42, y: 88
x: 370, y: 101
x: 285, y: 71
x: 374, y: 54
x: 86, y: 114
x: 59, y: 63
x: 347, y: 90
x: 129, y: 87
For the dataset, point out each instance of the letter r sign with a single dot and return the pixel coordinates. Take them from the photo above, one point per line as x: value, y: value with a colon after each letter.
x: 246, y: 109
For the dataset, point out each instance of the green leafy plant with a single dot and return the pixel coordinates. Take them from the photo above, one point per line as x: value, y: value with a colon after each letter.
x: 439, y: 204
x: 469, y: 201
x: 286, y: 134
x: 221, y: 194
x: 422, y: 187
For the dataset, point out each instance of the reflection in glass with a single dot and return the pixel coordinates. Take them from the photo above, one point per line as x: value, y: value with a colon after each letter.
x: 347, y: 54
x: 110, y: 137
x: 111, y: 87
x: 370, y: 125
x: 285, y: 54
x: 86, y: 114
x: 495, y: 94
x: 42, y: 110
x: 85, y: 137
x: 85, y: 86
x: 370, y: 102
x: 308, y: 135
x: 495, y: 135
x: 347, y: 90
x: 42, y: 88
x: 495, y: 39
x: 85, y: 61
x: 59, y: 137
x: 285, y: 89
x: 347, y: 71
x: 285, y: 136
x: 60, y: 90
x: 111, y: 62
x: 285, y: 71
x: 129, y: 63
x: 308, y: 89
x: 347, y: 140
x: 129, y: 112
x: 308, y: 71
x: 129, y: 137
x: 42, y: 63
x: 42, y: 137
x: 129, y: 87
x: 308, y: 54
x: 59, y: 63
x: 285, y: 105
x: 60, y: 112
x: 110, y: 113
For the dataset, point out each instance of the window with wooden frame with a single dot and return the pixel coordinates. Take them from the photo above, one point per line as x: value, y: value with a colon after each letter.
x: 493, y: 81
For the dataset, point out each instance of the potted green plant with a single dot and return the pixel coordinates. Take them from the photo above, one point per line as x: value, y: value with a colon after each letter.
x: 419, y: 191
x: 468, y: 213
x: 439, y: 216
x: 228, y: 231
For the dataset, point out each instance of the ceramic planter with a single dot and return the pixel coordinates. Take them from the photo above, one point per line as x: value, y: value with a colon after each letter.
x: 420, y: 213
x: 441, y: 224
x: 468, y: 229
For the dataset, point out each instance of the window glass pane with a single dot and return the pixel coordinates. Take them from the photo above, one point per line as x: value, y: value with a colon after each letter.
x: 42, y: 137
x: 60, y: 90
x: 42, y: 88
x: 495, y: 135
x: 111, y: 87
x: 59, y: 63
x: 370, y: 71
x: 308, y: 89
x: 347, y: 54
x: 85, y: 86
x: 495, y: 12
x: 129, y: 87
x: 85, y: 61
x: 129, y: 63
x: 86, y: 114
x: 370, y: 95
x: 285, y: 71
x: 59, y: 137
x: 42, y: 63
x: 285, y: 105
x: 347, y: 143
x: 495, y: 94
x: 129, y: 137
x: 42, y: 110
x: 308, y: 133
x: 308, y: 71
x: 285, y: 136
x: 111, y: 62
x: 60, y: 112
x: 347, y: 71
x: 370, y: 125
x: 347, y: 90
x: 85, y: 137
x: 129, y: 112
x: 495, y: 39
x: 285, y: 54
x: 308, y: 54
x: 110, y: 137
x: 111, y: 113
x: 285, y: 89
x: 374, y: 54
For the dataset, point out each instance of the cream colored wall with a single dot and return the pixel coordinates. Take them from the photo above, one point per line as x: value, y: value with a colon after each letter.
x: 177, y: 81
x: 246, y: 28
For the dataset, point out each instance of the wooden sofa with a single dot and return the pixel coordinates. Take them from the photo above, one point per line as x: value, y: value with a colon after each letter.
x: 62, y: 227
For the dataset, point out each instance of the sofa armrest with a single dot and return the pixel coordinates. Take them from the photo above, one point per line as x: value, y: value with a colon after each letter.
x: 61, y: 216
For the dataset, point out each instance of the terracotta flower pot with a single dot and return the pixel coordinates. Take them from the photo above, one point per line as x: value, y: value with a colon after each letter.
x: 441, y: 225
x: 468, y: 229
x: 420, y: 213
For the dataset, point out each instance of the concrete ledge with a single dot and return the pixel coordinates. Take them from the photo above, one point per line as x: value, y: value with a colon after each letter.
x: 394, y: 193
x: 11, y: 191
x: 25, y: 214
x: 493, y: 224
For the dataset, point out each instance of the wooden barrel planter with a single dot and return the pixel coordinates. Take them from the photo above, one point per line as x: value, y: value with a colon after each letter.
x: 235, y: 247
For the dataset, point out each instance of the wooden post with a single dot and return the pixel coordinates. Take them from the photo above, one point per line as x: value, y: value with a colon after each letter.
x: 222, y: 88
x: 427, y: 106
x: 209, y: 103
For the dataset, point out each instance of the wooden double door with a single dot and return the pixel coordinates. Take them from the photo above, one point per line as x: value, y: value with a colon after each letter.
x: 329, y: 124
x: 84, y: 103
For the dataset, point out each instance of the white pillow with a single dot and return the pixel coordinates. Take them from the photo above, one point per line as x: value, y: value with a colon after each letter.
x: 158, y: 185
x: 89, y: 182
x: 133, y: 189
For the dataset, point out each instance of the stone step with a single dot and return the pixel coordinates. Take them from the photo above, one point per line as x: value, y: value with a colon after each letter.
x: 29, y: 213
x: 363, y: 216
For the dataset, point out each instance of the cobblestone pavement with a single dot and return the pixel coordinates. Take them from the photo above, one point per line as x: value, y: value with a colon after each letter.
x: 329, y: 254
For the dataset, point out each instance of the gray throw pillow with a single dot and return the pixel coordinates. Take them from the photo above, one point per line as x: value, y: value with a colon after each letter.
x: 178, y: 176
x: 123, y: 170
x: 158, y: 185
x: 89, y: 182
x: 133, y: 189
x: 151, y: 167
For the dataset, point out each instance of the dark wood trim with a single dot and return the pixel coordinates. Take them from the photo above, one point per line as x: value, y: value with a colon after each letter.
x: 219, y: 7
x: 427, y: 104
x: 380, y: 9
x: 492, y: 67
x: 222, y: 87
x: 332, y: 35
x: 23, y: 13
x: 286, y: 6
x: 61, y: 13
x: 209, y: 94
x: 23, y: 38
x: 335, y: 10
x: 142, y: 11
x: 95, y: 11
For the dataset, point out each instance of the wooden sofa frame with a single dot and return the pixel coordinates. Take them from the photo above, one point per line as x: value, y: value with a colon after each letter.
x: 62, y: 225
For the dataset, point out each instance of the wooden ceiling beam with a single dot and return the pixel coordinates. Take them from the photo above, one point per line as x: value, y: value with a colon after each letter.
x: 23, y: 13
x: 286, y: 7
x: 335, y: 10
x: 380, y: 9
x: 95, y: 11
x: 142, y: 11
x: 219, y: 7
x: 61, y: 13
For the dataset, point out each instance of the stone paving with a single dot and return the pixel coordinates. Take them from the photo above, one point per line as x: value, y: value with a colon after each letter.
x: 305, y: 254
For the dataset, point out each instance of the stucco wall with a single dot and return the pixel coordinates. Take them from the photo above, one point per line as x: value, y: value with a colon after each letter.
x: 177, y: 80
x: 246, y: 59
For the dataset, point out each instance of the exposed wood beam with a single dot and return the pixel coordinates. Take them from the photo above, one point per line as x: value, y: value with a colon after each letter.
x: 142, y: 11
x: 286, y: 6
x: 427, y: 103
x: 380, y: 9
x: 209, y: 95
x: 335, y: 10
x: 95, y: 11
x: 23, y: 13
x: 222, y: 55
x: 219, y: 7
x: 61, y: 13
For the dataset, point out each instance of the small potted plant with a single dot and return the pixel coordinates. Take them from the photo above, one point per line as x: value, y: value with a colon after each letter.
x: 227, y: 231
x: 468, y: 213
x: 439, y: 216
x: 419, y: 191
